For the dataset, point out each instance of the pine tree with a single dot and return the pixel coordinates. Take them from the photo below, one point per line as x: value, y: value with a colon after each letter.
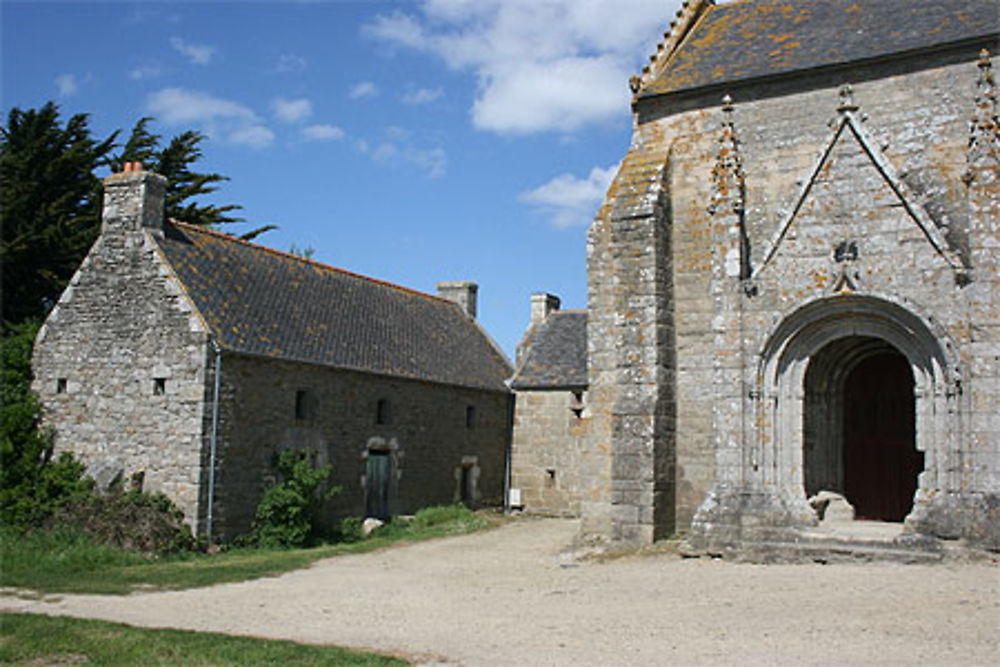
x: 49, y: 205
x: 174, y: 161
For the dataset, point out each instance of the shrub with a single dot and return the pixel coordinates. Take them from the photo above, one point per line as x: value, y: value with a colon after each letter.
x: 33, y: 485
x: 147, y: 523
x: 287, y: 512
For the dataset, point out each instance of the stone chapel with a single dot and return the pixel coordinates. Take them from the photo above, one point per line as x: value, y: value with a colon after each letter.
x: 794, y: 279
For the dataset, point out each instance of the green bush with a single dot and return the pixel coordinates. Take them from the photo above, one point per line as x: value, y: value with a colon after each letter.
x: 287, y: 512
x: 146, y: 523
x: 33, y: 485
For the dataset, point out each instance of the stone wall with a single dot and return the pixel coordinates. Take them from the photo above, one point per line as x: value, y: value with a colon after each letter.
x: 430, y: 436
x: 891, y: 182
x: 121, y: 362
x: 551, y: 460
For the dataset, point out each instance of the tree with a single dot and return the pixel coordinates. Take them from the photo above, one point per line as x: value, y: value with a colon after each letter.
x: 33, y: 484
x: 174, y: 161
x: 49, y: 205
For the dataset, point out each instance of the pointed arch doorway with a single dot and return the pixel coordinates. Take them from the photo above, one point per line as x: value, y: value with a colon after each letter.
x: 859, y: 435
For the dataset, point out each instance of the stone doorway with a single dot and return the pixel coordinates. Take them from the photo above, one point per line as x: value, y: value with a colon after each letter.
x: 859, y: 430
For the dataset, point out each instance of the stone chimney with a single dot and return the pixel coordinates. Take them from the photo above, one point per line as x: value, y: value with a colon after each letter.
x: 462, y: 292
x: 133, y: 200
x: 541, y: 305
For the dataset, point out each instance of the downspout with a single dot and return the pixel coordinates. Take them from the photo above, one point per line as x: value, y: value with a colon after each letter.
x: 213, y: 446
x: 508, y: 451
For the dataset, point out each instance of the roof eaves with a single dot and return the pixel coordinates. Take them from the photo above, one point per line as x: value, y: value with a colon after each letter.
x: 735, y: 84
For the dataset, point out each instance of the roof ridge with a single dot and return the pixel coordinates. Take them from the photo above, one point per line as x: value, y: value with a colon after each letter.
x: 321, y: 265
x: 688, y: 14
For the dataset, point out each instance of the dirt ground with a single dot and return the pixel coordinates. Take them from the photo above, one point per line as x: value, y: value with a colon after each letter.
x: 513, y: 596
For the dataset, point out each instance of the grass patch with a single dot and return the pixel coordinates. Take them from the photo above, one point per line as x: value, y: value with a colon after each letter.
x: 27, y: 639
x: 66, y: 561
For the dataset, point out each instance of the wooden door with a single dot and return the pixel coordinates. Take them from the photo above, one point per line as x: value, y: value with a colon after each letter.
x: 881, y: 462
x: 378, y: 472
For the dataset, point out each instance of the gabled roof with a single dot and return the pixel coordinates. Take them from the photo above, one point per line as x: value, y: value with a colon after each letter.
x: 555, y: 353
x: 263, y: 302
x: 750, y: 39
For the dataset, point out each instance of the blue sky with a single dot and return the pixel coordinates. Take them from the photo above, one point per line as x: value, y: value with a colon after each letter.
x: 410, y: 141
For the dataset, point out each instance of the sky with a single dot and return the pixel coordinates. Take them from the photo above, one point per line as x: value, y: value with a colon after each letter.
x: 413, y: 142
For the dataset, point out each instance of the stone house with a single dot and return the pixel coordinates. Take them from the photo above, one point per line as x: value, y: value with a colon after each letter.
x: 794, y: 278
x: 186, y: 359
x: 549, y: 443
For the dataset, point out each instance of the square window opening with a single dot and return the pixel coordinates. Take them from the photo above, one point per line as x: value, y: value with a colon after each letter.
x: 61, y: 385
x: 470, y: 416
x: 159, y: 386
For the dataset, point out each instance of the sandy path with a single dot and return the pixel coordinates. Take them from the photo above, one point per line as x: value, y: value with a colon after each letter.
x: 508, y: 597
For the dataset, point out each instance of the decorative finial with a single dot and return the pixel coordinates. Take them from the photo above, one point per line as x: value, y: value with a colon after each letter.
x: 728, y: 180
x: 984, y: 127
x: 634, y: 83
x: 847, y: 99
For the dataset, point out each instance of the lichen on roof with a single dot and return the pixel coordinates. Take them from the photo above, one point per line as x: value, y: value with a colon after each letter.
x: 751, y: 39
x: 264, y: 302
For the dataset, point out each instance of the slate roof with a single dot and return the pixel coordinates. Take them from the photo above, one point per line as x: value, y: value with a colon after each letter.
x: 263, y: 302
x: 555, y: 353
x: 750, y: 39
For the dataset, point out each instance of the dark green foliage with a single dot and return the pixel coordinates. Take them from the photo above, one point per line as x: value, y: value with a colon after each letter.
x: 50, y: 205
x: 33, y: 485
x: 174, y: 161
x: 50, y: 200
x: 145, y: 523
x: 285, y: 516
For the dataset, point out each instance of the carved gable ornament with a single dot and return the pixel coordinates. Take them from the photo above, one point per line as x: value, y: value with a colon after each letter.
x: 848, y: 126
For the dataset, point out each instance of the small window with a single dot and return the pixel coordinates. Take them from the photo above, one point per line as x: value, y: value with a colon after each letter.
x: 61, y: 386
x: 470, y: 416
x: 383, y: 415
x: 576, y: 405
x: 301, y: 400
x: 159, y: 386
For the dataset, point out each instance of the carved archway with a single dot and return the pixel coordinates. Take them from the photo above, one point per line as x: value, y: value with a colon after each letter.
x: 831, y: 337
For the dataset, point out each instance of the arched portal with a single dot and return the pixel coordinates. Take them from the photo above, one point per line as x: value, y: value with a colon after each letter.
x: 859, y: 427
x: 820, y: 380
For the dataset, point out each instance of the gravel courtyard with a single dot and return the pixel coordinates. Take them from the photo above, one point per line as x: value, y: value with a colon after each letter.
x: 512, y: 596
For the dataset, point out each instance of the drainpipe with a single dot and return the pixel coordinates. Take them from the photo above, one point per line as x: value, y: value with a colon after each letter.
x: 508, y: 451
x: 213, y: 448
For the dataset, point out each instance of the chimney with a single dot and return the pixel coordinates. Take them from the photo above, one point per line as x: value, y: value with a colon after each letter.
x: 133, y: 200
x: 541, y: 305
x: 462, y: 292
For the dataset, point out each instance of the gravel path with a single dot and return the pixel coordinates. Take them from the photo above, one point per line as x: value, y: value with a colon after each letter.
x: 512, y: 597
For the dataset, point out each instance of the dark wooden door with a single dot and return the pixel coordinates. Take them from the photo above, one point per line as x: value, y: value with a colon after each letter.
x: 881, y: 462
x: 378, y: 473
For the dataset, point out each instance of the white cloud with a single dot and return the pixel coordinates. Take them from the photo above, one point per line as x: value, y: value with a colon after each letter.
x: 175, y: 106
x: 422, y: 96
x: 362, y: 90
x: 67, y: 85
x: 290, y: 62
x: 431, y: 161
x: 218, y: 117
x: 254, y: 136
x: 541, y: 65
x: 144, y: 72
x: 400, y: 149
x: 322, y: 133
x: 291, y: 111
x: 569, y: 201
x: 197, y: 54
